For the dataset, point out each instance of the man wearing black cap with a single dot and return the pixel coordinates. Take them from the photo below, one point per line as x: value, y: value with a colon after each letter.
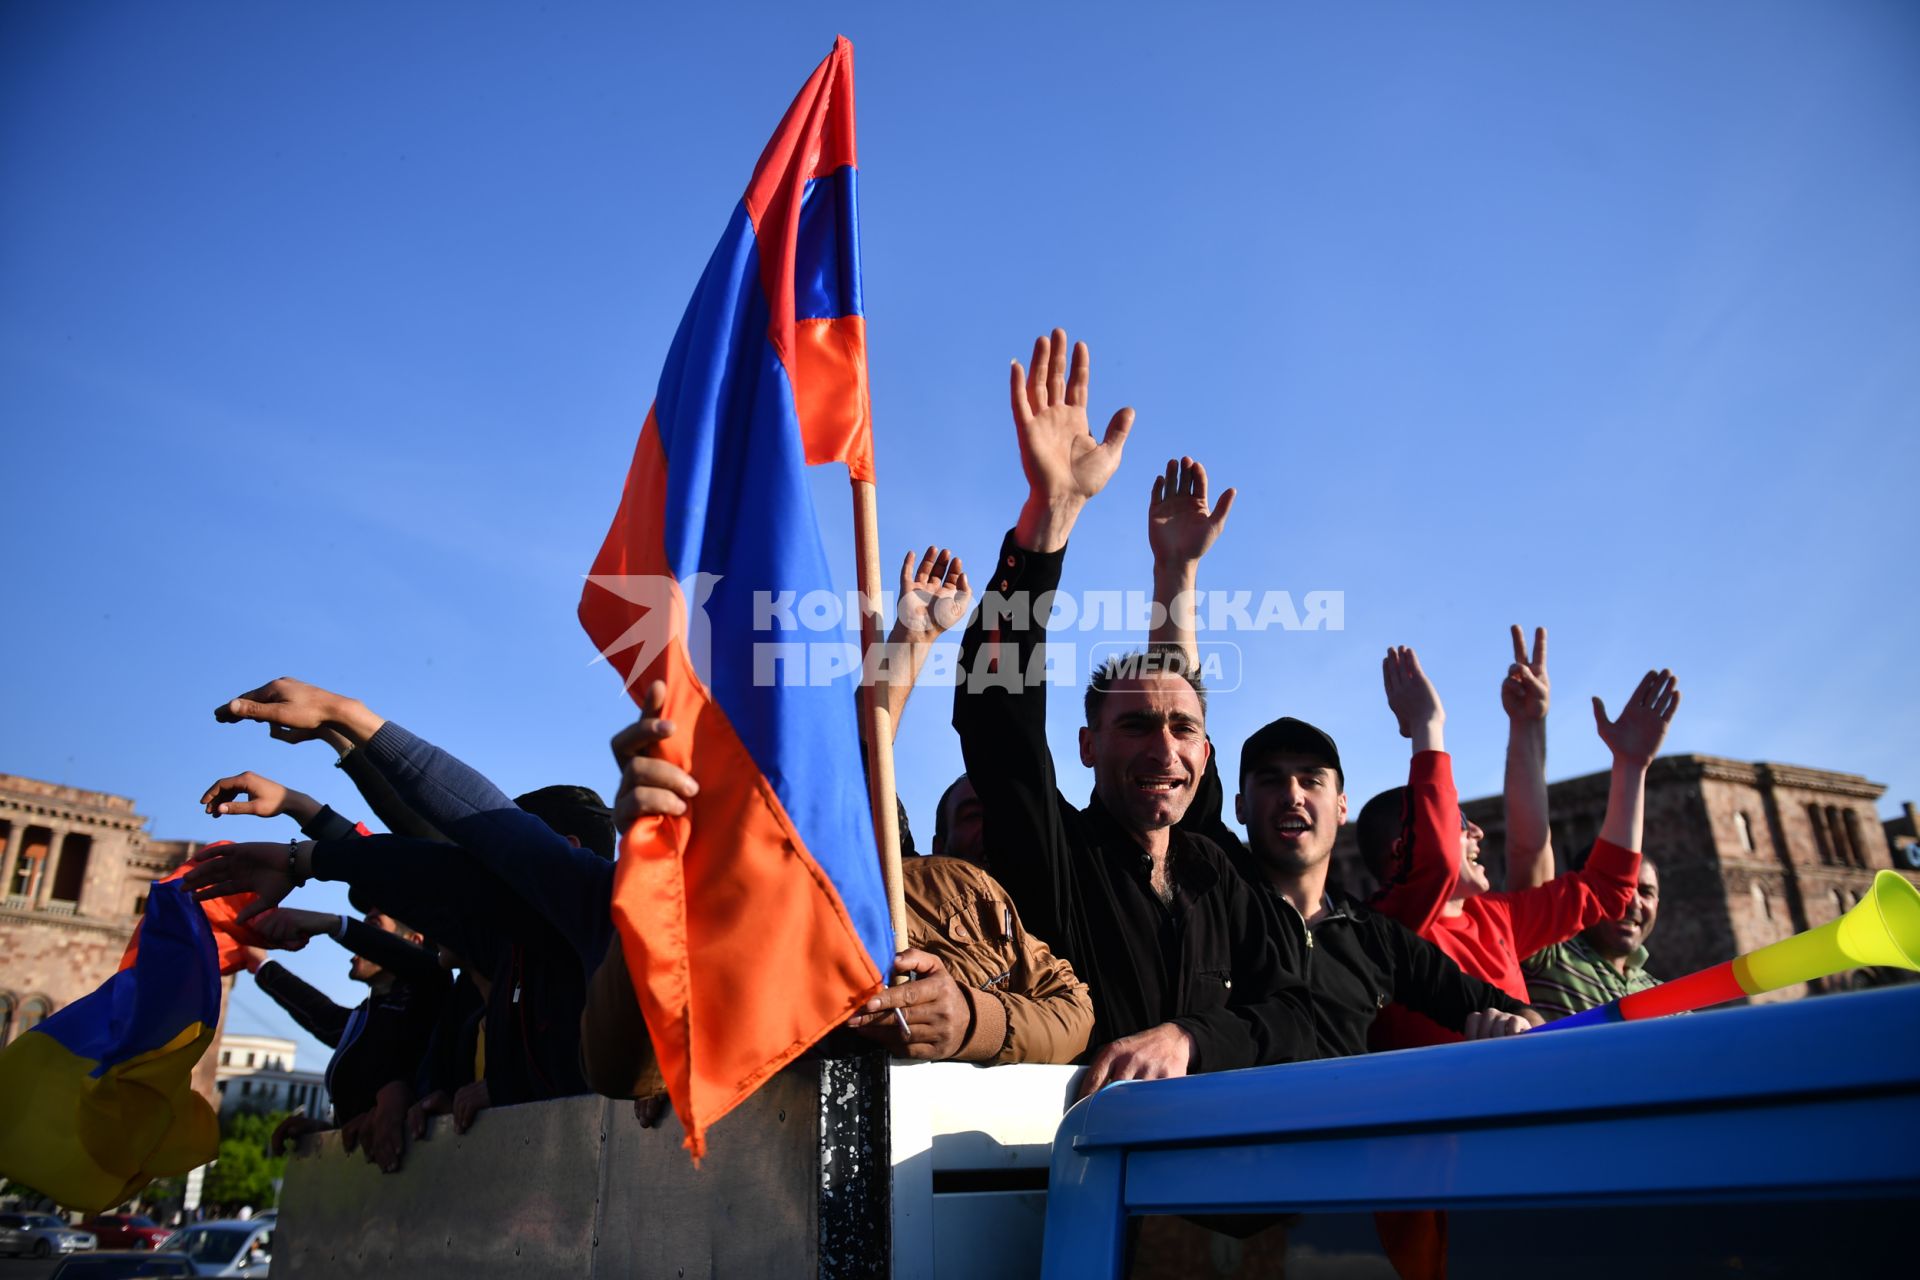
x: 1292, y: 800
x: 1172, y: 944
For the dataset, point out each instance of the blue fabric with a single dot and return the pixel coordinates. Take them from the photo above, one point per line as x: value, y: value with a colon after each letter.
x: 740, y: 508
x: 826, y: 266
x: 174, y: 982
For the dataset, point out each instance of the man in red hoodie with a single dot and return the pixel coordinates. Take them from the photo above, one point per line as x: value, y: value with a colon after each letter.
x: 1428, y: 862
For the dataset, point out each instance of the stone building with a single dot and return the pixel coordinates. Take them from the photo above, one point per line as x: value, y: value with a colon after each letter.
x: 1748, y: 854
x: 257, y: 1073
x: 75, y: 867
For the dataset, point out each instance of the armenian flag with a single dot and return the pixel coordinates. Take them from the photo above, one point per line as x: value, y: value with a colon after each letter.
x: 758, y: 922
x: 98, y: 1099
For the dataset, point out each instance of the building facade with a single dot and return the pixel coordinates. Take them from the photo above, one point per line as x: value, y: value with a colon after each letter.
x: 256, y: 1073
x: 1747, y: 853
x: 75, y: 870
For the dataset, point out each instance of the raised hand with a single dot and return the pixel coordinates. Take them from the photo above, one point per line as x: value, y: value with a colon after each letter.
x: 229, y: 869
x: 1525, y: 692
x: 648, y: 786
x: 263, y: 798
x: 1064, y: 465
x: 1180, y: 528
x: 933, y: 597
x: 1415, y: 702
x: 295, y: 711
x: 1636, y: 736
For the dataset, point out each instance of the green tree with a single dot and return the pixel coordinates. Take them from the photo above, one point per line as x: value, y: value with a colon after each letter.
x: 243, y: 1173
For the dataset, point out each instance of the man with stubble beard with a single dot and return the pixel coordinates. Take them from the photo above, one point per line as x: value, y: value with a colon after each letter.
x: 1172, y: 944
x: 1292, y: 801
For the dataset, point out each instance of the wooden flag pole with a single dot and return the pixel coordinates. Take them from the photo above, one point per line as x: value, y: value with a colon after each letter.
x: 876, y: 719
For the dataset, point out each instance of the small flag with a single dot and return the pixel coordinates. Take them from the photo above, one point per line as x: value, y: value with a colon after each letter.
x: 230, y: 936
x: 98, y: 1100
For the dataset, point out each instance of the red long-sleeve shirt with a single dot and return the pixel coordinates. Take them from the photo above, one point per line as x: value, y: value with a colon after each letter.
x: 1495, y: 931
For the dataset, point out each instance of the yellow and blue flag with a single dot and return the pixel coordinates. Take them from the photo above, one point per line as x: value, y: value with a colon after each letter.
x: 98, y: 1100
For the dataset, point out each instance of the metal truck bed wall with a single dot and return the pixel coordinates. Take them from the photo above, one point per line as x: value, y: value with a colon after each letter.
x: 1810, y: 1101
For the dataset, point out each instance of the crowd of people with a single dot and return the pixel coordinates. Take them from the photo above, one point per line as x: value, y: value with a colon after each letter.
x: 1139, y: 934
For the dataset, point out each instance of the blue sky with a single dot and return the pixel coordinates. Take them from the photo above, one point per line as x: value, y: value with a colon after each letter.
x: 326, y: 331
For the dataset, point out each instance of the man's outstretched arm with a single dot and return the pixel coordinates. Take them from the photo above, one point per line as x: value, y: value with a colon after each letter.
x: 933, y: 598
x: 1426, y: 865
x: 1524, y: 696
x: 1002, y: 717
x: 1604, y: 886
x: 1181, y: 528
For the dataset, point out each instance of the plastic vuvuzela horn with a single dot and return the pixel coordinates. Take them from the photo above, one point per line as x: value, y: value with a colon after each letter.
x: 1882, y: 928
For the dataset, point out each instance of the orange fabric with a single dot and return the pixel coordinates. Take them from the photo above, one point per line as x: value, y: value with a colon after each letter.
x: 829, y: 372
x: 826, y: 360
x: 815, y: 137
x: 702, y: 901
x: 231, y: 936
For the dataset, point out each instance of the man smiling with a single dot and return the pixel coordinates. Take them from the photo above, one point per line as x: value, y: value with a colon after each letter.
x: 1607, y: 961
x: 1170, y: 941
x: 1292, y: 800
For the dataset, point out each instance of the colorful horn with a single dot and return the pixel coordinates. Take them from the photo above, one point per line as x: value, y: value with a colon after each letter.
x: 1882, y: 928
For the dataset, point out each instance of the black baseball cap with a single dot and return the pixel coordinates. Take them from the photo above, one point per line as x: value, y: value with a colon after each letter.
x: 1296, y: 737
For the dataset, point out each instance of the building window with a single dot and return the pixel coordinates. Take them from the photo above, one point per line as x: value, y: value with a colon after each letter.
x: 226, y: 1057
x: 1761, y: 903
x: 1745, y: 830
x: 1855, y: 841
x: 1817, y: 818
x: 33, y: 1013
x: 1839, y: 902
x: 140, y: 904
x: 249, y: 1059
x: 1838, y: 833
x: 6, y: 1019
x: 70, y: 877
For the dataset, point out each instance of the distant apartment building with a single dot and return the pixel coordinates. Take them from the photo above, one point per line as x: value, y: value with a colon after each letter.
x: 75, y: 870
x: 257, y: 1073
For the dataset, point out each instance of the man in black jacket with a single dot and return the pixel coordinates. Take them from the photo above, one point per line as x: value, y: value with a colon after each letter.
x: 1292, y: 800
x: 1171, y: 942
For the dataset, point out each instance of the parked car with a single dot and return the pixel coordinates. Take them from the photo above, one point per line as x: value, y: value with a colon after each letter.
x: 131, y: 1264
x: 41, y: 1234
x: 127, y: 1231
x: 230, y: 1247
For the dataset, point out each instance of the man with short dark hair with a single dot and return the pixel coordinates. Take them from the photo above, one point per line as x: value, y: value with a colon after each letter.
x: 1171, y: 942
x: 1607, y: 961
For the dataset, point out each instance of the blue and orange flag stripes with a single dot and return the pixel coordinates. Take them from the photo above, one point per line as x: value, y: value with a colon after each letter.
x: 758, y: 922
x: 98, y: 1100
x: 229, y: 935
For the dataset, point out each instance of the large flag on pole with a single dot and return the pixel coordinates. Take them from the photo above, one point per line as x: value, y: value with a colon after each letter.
x: 757, y: 923
x: 98, y: 1100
